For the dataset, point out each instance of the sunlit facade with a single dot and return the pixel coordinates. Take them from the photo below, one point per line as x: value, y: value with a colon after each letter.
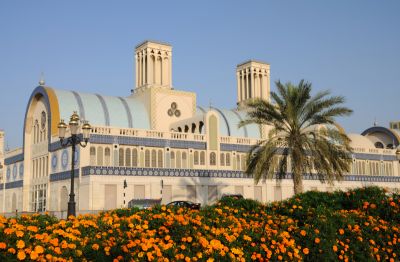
x: 162, y: 143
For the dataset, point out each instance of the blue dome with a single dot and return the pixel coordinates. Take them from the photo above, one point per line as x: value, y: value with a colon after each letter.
x: 103, y: 110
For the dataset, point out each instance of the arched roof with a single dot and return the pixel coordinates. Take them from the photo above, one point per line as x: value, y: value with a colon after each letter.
x: 97, y: 109
x: 360, y: 141
x: 229, y: 123
x: 393, y: 135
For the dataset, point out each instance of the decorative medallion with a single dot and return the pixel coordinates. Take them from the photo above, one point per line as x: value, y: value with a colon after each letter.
x: 54, y: 161
x: 8, y: 173
x: 64, y: 159
x: 21, y: 170
x: 174, y: 111
x: 15, y: 171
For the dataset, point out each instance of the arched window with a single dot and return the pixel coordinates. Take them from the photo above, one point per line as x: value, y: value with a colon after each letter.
x: 238, y: 162
x: 193, y: 127
x: 134, y: 157
x: 178, y: 160
x: 128, y: 157
x: 100, y: 156
x: 228, y: 159
x: 160, y: 158
x: 121, y: 157
x: 179, y: 129
x: 201, y: 124
x: 107, y: 154
x: 243, y: 160
x: 196, y: 157
x: 222, y: 159
x: 202, y: 158
x: 92, y: 156
x: 186, y: 128
x: 379, y: 145
x: 213, y: 160
x: 153, y: 158
x: 147, y: 158
x: 184, y: 160
x: 172, y: 159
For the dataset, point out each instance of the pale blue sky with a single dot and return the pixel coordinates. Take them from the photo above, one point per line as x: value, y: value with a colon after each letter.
x: 349, y: 47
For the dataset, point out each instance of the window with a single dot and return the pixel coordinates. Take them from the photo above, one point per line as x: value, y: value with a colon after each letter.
x: 228, y: 159
x: 160, y: 158
x: 201, y: 124
x: 202, y: 158
x: 243, y: 160
x: 238, y: 162
x: 147, y: 158
x: 134, y: 157
x: 99, y: 156
x: 184, y: 160
x: 178, y: 160
x: 222, y: 159
x: 213, y: 160
x: 127, y: 157
x: 153, y: 158
x: 107, y: 153
x: 92, y: 156
x: 172, y: 159
x: 196, y: 157
x: 121, y: 157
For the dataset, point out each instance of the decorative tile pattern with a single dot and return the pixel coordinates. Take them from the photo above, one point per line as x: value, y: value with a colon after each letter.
x: 63, y: 175
x: 14, y: 159
x: 14, y: 184
x: 127, y: 171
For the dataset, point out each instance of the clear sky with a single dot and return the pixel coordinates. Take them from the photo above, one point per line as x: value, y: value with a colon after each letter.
x: 349, y: 47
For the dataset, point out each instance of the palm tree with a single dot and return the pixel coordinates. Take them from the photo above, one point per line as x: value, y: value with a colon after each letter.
x: 304, y: 136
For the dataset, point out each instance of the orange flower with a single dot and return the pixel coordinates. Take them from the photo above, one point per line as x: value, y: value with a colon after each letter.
x: 19, y: 233
x: 303, y: 233
x: 11, y: 250
x: 317, y: 240
x: 39, y: 249
x: 3, y: 245
x: 373, y: 206
x: 49, y: 256
x: 306, y: 251
x: 34, y: 255
x: 21, y: 255
x: 95, y: 247
x: 20, y: 244
x: 335, y: 249
x: 341, y: 231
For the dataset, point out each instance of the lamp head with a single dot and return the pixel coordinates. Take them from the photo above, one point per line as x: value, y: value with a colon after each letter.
x: 74, y: 123
x: 61, y: 129
x: 86, y: 130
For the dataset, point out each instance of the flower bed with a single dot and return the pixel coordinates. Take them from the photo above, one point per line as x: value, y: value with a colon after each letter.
x: 359, y: 225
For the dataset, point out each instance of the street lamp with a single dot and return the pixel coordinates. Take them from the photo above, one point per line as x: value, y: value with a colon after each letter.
x: 73, y: 140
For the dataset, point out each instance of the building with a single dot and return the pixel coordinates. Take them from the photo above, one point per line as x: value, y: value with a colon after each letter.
x: 162, y: 143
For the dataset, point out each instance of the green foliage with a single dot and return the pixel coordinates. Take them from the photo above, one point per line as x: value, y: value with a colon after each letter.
x: 303, y: 132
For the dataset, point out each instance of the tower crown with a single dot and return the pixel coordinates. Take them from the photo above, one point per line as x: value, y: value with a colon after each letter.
x: 153, y: 65
x: 253, y: 81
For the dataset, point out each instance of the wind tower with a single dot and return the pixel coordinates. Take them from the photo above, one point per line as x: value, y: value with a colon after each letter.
x: 153, y: 65
x: 253, y: 81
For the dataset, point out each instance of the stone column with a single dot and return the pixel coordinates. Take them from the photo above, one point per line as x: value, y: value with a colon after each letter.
x: 238, y: 86
x: 253, y: 88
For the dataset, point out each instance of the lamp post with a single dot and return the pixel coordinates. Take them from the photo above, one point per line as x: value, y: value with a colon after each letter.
x: 72, y: 141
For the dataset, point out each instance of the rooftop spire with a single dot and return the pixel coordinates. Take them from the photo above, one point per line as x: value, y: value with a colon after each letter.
x: 41, y: 81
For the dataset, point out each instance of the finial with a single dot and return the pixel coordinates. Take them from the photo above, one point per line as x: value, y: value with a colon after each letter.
x: 210, y: 105
x: 41, y: 81
x: 375, y: 122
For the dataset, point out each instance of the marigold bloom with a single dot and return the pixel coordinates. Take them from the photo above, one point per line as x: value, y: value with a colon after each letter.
x: 21, y: 255
x: 19, y: 233
x: 3, y: 245
x: 95, y: 247
x: 303, y: 233
x: 20, y: 244
x: 341, y: 231
x: 34, y: 255
x: 317, y: 240
x: 306, y: 251
x: 335, y: 249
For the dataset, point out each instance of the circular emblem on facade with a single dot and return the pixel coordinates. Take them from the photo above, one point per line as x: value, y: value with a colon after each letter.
x: 64, y: 159
x: 54, y: 161
x: 15, y: 171
x: 174, y: 111
x: 43, y: 120
x: 8, y: 173
x: 104, y: 172
x: 21, y: 170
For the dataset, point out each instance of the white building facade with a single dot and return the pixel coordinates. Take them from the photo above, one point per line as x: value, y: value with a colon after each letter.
x: 163, y: 144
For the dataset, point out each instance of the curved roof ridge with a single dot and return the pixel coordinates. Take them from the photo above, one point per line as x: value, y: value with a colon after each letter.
x: 128, y: 112
x: 225, y: 119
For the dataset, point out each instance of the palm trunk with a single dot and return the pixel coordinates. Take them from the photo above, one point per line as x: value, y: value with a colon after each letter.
x: 297, y: 181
